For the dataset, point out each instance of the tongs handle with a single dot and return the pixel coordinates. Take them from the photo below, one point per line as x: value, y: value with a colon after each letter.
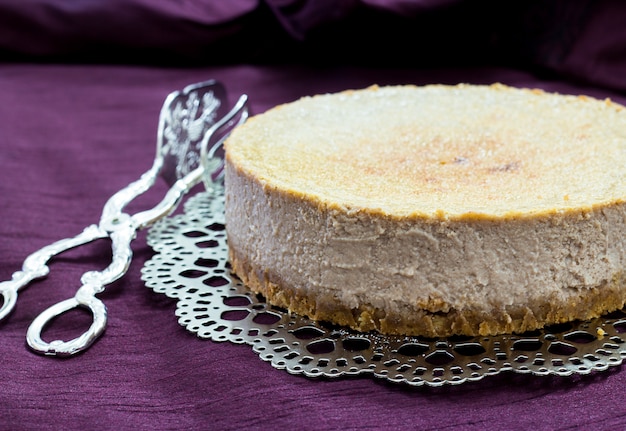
x: 85, y: 297
x: 93, y: 282
x: 35, y: 266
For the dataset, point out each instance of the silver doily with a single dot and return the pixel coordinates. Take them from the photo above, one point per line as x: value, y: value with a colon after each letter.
x: 191, y: 266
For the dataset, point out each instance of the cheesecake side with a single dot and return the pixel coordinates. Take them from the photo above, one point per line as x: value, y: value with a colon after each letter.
x: 410, y: 218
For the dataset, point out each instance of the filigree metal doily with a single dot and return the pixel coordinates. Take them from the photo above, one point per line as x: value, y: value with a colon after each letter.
x: 191, y: 266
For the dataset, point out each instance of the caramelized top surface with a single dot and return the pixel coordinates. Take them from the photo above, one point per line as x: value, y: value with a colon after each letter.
x: 440, y: 151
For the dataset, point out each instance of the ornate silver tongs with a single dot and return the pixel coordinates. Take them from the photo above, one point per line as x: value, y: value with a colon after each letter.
x: 192, y: 124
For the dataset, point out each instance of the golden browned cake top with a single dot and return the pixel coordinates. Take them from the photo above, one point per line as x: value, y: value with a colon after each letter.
x: 440, y: 151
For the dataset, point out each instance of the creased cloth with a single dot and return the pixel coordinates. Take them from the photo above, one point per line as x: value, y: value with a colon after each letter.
x: 583, y: 39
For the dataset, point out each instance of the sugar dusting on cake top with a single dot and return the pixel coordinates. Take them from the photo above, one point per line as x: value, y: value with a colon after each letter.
x: 463, y: 151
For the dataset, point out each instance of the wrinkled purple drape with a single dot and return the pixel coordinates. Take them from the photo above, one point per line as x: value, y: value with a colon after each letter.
x: 580, y: 39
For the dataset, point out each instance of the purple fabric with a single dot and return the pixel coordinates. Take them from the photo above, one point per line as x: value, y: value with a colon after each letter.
x: 105, y: 30
x: 73, y: 134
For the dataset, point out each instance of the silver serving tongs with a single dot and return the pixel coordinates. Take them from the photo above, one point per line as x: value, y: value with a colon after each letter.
x: 193, y: 123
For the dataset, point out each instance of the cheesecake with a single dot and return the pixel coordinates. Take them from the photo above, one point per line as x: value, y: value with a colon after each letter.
x: 432, y: 210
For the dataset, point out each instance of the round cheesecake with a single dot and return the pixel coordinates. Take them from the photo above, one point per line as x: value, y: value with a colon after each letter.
x: 434, y: 210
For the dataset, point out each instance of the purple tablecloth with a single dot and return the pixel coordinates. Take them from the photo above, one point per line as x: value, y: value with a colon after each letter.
x: 73, y: 134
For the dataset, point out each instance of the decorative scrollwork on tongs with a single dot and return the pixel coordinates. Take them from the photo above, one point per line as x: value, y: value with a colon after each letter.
x: 190, y: 121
